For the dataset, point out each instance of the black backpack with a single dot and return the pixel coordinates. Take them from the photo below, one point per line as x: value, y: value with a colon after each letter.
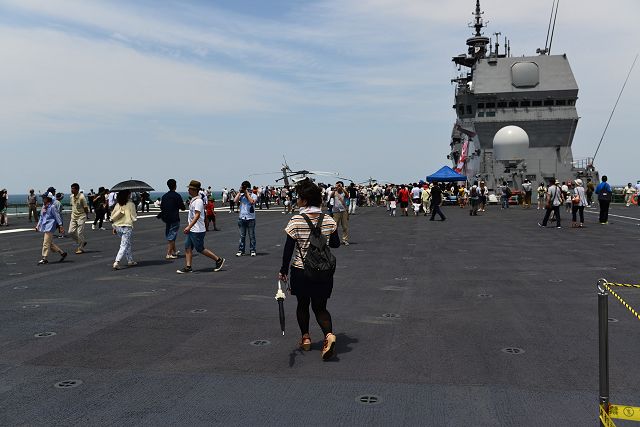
x: 319, y: 264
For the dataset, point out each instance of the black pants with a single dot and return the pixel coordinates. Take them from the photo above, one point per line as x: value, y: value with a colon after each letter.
x: 575, y: 210
x: 319, y: 307
x: 604, y: 210
x: 556, y: 211
x: 435, y: 209
x: 99, y: 217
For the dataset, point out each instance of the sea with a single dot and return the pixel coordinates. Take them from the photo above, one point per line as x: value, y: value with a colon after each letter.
x: 18, y: 202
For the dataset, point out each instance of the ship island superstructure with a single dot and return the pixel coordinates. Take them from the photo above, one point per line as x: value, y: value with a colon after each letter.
x: 535, y: 93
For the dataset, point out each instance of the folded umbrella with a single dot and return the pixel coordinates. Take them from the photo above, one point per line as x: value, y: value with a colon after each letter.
x: 280, y: 298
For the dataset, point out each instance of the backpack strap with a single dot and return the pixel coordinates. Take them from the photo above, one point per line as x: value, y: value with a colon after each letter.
x: 311, y: 230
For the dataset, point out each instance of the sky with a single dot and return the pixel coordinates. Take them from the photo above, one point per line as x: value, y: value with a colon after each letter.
x: 97, y: 92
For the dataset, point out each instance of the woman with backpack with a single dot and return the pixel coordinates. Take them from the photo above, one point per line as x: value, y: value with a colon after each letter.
x: 307, y: 237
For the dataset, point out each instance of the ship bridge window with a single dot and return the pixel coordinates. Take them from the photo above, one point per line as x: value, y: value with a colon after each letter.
x: 525, y: 104
x: 571, y: 102
x: 460, y: 109
x: 561, y: 102
x: 548, y: 102
x: 481, y: 105
x: 469, y: 109
x: 513, y: 103
x: 502, y: 104
x: 491, y: 105
x: 490, y: 113
x: 536, y: 103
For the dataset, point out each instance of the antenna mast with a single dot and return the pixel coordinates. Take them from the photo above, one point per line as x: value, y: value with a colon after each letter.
x: 614, y: 108
x: 553, y: 28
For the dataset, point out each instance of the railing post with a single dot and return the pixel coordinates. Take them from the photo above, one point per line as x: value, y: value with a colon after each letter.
x: 603, y: 344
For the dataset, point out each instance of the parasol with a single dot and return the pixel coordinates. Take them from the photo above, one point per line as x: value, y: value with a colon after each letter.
x: 280, y: 298
x: 132, y: 185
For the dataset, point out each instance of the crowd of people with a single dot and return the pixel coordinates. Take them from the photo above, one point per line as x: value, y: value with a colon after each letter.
x: 309, y: 200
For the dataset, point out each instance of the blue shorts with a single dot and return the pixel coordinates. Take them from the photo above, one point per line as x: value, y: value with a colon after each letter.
x: 195, y: 241
x: 171, y: 231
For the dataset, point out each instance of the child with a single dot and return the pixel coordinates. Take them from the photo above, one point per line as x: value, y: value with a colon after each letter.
x: 211, y: 214
x: 392, y: 204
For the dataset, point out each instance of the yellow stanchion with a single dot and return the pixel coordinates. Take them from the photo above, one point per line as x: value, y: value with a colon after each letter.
x: 622, y: 412
x: 605, y: 418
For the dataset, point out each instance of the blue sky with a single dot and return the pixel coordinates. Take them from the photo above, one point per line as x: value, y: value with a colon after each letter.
x: 100, y: 91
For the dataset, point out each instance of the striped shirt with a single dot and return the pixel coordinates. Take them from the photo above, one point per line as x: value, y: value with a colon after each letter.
x: 299, y: 230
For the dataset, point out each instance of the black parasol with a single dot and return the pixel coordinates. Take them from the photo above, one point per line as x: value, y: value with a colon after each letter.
x: 280, y: 298
x: 132, y: 185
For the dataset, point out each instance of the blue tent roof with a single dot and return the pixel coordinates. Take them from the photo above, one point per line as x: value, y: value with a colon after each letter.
x: 446, y: 174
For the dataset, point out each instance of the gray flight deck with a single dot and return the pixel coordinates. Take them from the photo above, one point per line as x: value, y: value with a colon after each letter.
x: 423, y: 312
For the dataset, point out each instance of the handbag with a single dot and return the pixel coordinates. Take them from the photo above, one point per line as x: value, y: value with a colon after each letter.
x: 576, y: 199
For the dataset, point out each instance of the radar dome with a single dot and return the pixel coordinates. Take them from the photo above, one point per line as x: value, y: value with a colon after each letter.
x: 510, y: 143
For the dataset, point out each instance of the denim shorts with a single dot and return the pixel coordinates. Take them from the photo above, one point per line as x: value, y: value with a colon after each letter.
x: 171, y: 231
x: 195, y: 241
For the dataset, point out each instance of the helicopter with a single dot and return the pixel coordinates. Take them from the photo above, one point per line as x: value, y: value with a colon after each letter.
x: 290, y: 176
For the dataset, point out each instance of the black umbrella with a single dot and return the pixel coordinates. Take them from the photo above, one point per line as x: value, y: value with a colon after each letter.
x: 132, y: 185
x: 280, y: 298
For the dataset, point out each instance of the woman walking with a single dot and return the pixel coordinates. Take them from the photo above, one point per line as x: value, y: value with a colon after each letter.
x: 579, y: 201
x: 49, y: 221
x: 122, y: 219
x: 306, y: 291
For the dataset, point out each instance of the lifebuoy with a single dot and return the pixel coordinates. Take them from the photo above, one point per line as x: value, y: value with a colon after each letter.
x: 634, y: 199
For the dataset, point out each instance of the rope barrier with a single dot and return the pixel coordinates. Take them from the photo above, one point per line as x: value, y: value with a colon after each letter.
x: 623, y: 302
x: 626, y: 285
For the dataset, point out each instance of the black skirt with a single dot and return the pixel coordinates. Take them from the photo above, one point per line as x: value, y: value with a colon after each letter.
x: 302, y: 287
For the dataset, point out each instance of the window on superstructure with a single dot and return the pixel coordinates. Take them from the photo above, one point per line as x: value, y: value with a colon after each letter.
x: 513, y: 104
x: 536, y: 103
x: 481, y: 105
x: 548, y: 102
x: 525, y: 104
x: 502, y: 104
x: 469, y: 109
x: 561, y: 102
x: 491, y: 105
x: 490, y: 113
x: 460, y: 109
x: 571, y: 102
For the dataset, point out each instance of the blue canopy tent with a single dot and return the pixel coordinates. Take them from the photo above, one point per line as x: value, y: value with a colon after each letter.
x: 446, y: 174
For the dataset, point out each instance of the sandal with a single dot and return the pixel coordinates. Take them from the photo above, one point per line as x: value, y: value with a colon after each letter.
x: 328, y: 349
x: 305, y: 342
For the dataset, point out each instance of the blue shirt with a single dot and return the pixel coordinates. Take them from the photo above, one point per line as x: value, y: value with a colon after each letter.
x: 50, y: 219
x: 247, y: 210
x: 603, y: 186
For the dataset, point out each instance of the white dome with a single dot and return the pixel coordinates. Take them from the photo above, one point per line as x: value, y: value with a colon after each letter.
x: 510, y: 143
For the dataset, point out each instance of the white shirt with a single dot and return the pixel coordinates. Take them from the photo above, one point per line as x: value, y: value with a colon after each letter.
x: 415, y: 192
x: 197, y: 205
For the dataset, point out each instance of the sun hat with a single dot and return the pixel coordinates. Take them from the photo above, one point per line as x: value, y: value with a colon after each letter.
x: 578, y: 181
x: 195, y: 184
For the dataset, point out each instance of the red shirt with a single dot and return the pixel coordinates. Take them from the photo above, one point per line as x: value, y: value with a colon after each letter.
x: 210, y: 208
x: 403, y: 195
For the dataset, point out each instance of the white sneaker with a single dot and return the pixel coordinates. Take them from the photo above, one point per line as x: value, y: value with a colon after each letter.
x: 253, y: 254
x: 116, y: 265
x: 239, y: 253
x: 93, y: 226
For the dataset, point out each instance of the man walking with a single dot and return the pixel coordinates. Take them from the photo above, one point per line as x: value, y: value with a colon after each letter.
x: 32, y: 201
x: 436, y: 201
x: 339, y: 210
x: 195, y: 231
x: 553, y: 203
x: 79, y: 215
x: 170, y: 207
x: 246, y: 201
x: 605, y: 195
